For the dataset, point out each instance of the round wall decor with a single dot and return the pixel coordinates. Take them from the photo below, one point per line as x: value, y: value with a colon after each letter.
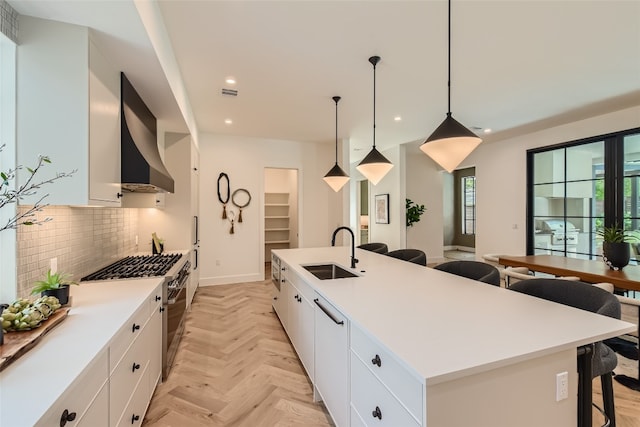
x: 241, y: 199
x: 224, y: 200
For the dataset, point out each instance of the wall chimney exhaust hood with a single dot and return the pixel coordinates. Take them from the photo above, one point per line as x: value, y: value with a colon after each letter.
x: 142, y: 170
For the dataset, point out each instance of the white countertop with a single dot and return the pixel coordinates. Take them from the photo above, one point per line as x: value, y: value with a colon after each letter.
x: 443, y: 326
x: 31, y: 384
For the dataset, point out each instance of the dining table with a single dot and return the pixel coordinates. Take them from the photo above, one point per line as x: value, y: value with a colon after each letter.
x: 588, y: 270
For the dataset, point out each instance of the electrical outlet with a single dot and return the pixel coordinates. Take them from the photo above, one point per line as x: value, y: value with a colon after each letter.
x: 53, y: 265
x: 562, y: 386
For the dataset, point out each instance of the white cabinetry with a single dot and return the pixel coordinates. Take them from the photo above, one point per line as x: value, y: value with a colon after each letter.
x: 300, y: 317
x: 134, y: 374
x: 383, y: 391
x: 332, y: 360
x: 68, y: 109
x: 84, y: 400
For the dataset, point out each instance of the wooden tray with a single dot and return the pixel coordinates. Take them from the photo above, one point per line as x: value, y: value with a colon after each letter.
x: 17, y: 343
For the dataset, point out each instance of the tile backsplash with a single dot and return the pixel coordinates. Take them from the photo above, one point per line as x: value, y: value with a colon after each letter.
x: 82, y: 239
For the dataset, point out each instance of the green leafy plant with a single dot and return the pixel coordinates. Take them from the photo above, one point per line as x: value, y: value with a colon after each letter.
x: 52, y: 281
x: 615, y: 234
x: 414, y: 211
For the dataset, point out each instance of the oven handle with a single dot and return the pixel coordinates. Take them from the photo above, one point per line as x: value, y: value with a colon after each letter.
x: 173, y: 300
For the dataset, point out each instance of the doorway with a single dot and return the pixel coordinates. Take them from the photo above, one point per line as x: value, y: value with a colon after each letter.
x: 363, y: 214
x: 280, y: 210
x: 459, y: 192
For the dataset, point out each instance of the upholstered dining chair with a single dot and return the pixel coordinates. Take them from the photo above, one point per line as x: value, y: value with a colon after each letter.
x: 494, y: 259
x: 415, y: 256
x: 380, y: 248
x: 476, y: 270
x: 590, y: 298
x: 516, y: 274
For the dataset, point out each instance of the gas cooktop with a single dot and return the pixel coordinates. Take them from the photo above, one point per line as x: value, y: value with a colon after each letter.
x: 137, y: 266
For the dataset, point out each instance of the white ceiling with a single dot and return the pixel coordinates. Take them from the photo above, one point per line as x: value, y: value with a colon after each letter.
x: 516, y: 65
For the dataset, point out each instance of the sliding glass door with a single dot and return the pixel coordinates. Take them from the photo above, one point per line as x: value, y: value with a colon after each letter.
x: 576, y: 188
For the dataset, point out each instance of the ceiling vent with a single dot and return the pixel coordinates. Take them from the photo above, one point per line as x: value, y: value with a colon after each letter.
x: 229, y: 92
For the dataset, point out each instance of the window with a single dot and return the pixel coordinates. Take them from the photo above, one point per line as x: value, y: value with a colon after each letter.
x: 577, y: 187
x: 7, y: 161
x: 468, y: 205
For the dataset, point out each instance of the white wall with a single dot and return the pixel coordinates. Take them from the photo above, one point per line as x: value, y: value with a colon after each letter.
x: 172, y: 223
x: 424, y: 182
x: 393, y: 234
x: 239, y: 257
x: 501, y: 178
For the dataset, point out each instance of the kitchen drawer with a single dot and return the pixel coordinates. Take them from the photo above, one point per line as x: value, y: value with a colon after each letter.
x: 98, y: 413
x: 155, y: 299
x: 78, y: 397
x: 404, y: 385
x: 356, y: 419
x: 368, y: 395
x: 300, y: 285
x: 125, y: 336
x: 135, y: 410
x: 125, y: 378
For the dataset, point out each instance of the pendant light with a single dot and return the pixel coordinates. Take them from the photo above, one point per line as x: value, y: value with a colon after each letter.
x: 374, y: 166
x: 336, y: 177
x: 451, y: 142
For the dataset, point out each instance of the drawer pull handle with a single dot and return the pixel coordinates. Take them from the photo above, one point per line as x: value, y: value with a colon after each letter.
x: 135, y: 366
x: 135, y: 327
x: 328, y: 313
x: 158, y: 298
x: 67, y: 417
x: 134, y: 418
x: 377, y: 361
x: 161, y: 309
x: 377, y: 413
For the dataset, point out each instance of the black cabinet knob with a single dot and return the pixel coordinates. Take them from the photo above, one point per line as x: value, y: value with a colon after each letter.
x: 118, y: 195
x: 377, y: 413
x: 66, y: 417
x: 135, y: 366
x: 135, y: 327
x: 158, y: 298
x: 376, y: 361
x: 161, y: 309
x: 275, y: 298
x: 134, y: 418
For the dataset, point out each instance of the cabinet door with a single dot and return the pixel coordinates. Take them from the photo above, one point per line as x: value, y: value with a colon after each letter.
x: 97, y: 414
x: 155, y: 348
x: 104, y: 130
x: 305, y: 334
x: 332, y: 360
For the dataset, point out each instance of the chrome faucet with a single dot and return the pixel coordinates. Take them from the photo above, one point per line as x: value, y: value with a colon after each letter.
x: 353, y: 243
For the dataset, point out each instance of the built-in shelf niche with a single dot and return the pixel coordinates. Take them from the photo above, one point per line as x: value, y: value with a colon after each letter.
x: 276, y: 222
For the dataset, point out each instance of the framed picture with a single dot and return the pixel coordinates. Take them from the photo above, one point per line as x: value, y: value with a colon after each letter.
x: 382, y: 208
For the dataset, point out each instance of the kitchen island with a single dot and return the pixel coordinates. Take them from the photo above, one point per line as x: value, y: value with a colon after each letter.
x: 428, y: 348
x: 100, y: 365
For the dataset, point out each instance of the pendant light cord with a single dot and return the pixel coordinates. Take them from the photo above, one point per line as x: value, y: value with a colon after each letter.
x: 374, y: 103
x: 449, y: 64
x: 336, y: 99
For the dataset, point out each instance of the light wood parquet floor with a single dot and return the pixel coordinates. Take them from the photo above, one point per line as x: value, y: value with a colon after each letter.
x: 236, y: 367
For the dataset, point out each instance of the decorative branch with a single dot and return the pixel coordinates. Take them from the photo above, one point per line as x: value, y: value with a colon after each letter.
x: 29, y: 188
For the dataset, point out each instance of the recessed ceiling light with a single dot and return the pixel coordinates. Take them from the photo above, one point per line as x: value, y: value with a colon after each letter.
x: 228, y: 121
x: 397, y: 118
x: 487, y: 130
x: 230, y: 80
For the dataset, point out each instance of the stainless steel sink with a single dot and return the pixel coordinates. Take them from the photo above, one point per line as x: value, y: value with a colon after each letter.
x: 328, y: 271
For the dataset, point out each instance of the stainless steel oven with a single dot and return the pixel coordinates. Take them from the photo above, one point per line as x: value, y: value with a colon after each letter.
x: 275, y: 271
x: 175, y: 305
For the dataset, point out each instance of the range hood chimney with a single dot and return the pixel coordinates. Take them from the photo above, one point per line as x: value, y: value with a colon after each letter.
x: 142, y: 169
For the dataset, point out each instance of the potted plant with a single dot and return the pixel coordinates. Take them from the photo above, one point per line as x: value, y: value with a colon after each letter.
x: 615, y: 246
x: 414, y: 211
x: 55, y: 284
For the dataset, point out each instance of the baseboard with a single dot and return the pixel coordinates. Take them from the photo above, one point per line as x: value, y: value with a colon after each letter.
x: 460, y: 248
x: 229, y: 280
